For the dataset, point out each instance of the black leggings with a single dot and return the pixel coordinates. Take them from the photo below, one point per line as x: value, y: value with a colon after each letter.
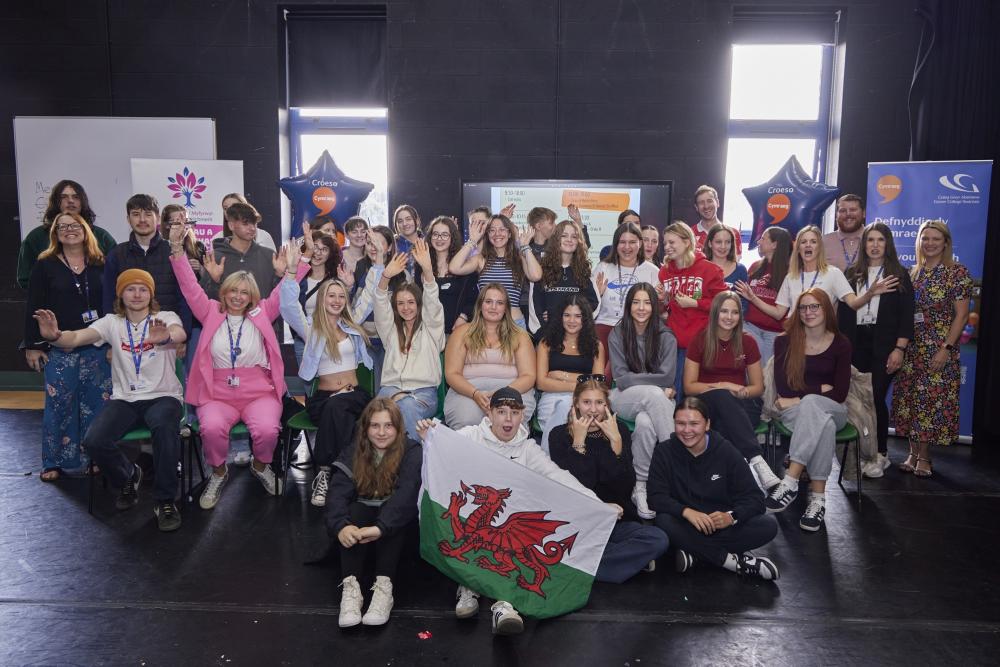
x: 735, y: 419
x: 387, y: 548
x: 336, y: 416
x: 867, y: 360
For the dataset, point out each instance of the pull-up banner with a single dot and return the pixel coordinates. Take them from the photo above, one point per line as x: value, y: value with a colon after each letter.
x: 903, y: 195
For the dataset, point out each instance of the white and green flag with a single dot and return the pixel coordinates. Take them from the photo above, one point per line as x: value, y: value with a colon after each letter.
x: 505, y: 531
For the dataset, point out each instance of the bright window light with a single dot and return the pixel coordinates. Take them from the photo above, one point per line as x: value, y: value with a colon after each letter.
x: 751, y: 162
x: 776, y: 81
x: 360, y: 156
x: 343, y: 113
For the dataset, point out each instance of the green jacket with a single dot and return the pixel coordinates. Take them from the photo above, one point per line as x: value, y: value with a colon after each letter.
x: 37, y: 241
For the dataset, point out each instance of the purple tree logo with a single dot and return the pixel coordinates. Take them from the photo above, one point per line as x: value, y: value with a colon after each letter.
x: 188, y: 185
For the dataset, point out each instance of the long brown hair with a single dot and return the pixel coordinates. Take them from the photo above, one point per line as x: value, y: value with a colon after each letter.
x: 511, y: 257
x: 454, y: 245
x: 858, y: 271
x: 404, y: 340
x: 552, y: 259
x: 626, y: 228
x: 507, y: 330
x: 377, y: 479
x: 648, y: 359
x: 712, y: 330
x: 778, y: 264
x: 706, y: 249
x: 91, y: 250
x: 795, y: 357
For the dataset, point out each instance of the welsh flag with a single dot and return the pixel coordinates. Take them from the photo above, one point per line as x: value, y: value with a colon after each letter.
x: 508, y: 532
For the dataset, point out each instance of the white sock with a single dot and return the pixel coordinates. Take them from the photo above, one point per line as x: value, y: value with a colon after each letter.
x: 819, y: 496
x: 731, y: 563
x: 757, y: 460
x: 790, y: 482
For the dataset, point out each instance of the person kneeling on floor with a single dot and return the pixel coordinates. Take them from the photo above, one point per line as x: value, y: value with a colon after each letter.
x: 372, y: 499
x: 502, y: 431
x: 706, y: 498
x: 146, y: 389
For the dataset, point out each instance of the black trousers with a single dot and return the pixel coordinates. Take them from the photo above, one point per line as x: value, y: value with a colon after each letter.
x: 744, y: 536
x: 336, y: 416
x: 162, y: 416
x: 869, y: 360
x: 735, y: 418
x: 387, y: 548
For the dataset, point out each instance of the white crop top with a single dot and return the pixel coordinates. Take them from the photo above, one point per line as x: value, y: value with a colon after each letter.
x: 348, y: 360
x: 251, y: 344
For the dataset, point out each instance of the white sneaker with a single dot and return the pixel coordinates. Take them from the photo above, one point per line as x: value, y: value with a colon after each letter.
x: 350, y: 603
x: 468, y: 603
x: 267, y: 479
x: 768, y: 480
x: 213, y: 490
x: 876, y: 467
x: 320, y: 487
x: 381, y: 604
x: 639, y: 498
x: 242, y: 458
x: 506, y: 620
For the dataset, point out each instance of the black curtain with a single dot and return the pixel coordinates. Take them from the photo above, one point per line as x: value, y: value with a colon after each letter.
x: 336, y: 57
x: 954, y: 102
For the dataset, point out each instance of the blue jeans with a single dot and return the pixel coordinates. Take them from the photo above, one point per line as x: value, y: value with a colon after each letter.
x: 77, y: 385
x: 764, y: 340
x: 162, y: 416
x: 415, y: 405
x: 630, y: 548
x: 679, y: 375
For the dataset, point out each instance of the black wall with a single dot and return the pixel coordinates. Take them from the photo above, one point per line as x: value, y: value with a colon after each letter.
x: 478, y: 89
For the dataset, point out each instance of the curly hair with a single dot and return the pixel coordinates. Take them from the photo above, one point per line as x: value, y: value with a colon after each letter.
x: 552, y: 269
x: 555, y: 333
x: 53, y: 208
x: 511, y: 256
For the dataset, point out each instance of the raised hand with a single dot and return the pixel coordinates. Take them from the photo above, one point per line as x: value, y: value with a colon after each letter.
x: 525, y: 235
x: 396, y: 265
x: 280, y: 260
x: 214, y: 268
x: 48, y: 326
x: 345, y: 276
x: 378, y: 241
x: 578, y: 428
x: 422, y: 256
x: 292, y: 255
x: 425, y: 425
x: 176, y: 234
x: 310, y: 244
x: 158, y: 332
x: 477, y: 230
x: 609, y: 426
x: 602, y: 283
x: 574, y: 214
x: 508, y: 210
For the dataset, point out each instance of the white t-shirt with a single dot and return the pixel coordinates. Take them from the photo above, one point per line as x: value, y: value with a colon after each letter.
x: 620, y: 279
x: 832, y: 282
x: 310, y: 306
x: 157, y: 374
x: 251, y: 343
x: 868, y: 313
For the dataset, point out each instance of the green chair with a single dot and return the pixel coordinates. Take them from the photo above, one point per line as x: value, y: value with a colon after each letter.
x: 845, y: 436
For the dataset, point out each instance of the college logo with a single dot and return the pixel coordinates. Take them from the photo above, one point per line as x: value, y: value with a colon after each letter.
x: 889, y: 187
x: 325, y: 199
x: 520, y: 537
x: 778, y: 207
x: 955, y: 183
x: 186, y: 184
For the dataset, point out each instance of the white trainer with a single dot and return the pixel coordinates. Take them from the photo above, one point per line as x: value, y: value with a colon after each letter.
x: 320, y: 487
x: 213, y: 490
x: 267, y: 479
x: 468, y: 602
x: 639, y: 498
x: 876, y: 467
x: 381, y: 604
x: 506, y: 620
x: 350, y: 603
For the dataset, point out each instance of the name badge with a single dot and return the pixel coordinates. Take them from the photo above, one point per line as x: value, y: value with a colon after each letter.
x: 255, y: 312
x: 918, y: 317
x: 138, y: 385
x: 867, y: 319
x: 90, y: 316
x: 233, y: 380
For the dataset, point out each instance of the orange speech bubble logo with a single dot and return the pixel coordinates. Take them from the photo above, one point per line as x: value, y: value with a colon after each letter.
x: 778, y: 207
x: 889, y: 187
x: 324, y: 199
x: 596, y: 201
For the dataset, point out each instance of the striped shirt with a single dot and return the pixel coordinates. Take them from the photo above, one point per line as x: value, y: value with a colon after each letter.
x: 500, y: 272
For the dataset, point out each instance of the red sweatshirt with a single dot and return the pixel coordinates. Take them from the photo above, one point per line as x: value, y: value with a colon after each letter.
x: 700, y: 281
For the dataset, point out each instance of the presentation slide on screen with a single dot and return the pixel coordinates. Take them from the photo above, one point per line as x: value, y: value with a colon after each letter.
x: 599, y: 207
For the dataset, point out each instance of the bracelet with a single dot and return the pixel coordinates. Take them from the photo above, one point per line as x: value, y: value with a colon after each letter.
x: 471, y: 243
x: 901, y: 349
x: 524, y: 247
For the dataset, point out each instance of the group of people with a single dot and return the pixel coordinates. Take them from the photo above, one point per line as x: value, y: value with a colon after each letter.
x: 644, y: 377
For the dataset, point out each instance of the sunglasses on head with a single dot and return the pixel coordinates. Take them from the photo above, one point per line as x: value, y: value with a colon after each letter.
x: 596, y: 377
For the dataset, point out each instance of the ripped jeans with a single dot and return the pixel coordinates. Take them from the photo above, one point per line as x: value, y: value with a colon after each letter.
x: 416, y: 404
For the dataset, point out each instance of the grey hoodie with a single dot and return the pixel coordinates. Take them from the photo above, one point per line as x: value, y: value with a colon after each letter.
x: 256, y: 260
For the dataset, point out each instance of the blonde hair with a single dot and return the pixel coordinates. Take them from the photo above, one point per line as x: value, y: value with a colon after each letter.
x: 324, y: 327
x: 507, y: 331
x: 91, y: 250
x: 682, y: 230
x: 234, y: 279
x: 947, y: 255
x: 795, y: 263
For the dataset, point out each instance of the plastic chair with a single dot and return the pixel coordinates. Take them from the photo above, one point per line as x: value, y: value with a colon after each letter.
x: 845, y: 436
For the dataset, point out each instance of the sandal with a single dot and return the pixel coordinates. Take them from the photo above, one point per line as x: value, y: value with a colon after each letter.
x: 50, y: 474
x: 921, y: 472
x: 910, y: 464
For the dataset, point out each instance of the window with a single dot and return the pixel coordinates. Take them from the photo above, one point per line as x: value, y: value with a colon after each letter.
x: 780, y: 105
x: 356, y: 139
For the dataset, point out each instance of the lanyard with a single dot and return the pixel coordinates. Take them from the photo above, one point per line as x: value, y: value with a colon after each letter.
x: 85, y: 290
x: 234, y: 347
x: 802, y: 281
x: 136, y: 358
x: 622, y: 287
x: 849, y: 259
x: 868, y: 306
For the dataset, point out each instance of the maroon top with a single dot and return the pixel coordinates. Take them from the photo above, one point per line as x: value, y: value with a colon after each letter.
x: 725, y: 367
x: 831, y: 366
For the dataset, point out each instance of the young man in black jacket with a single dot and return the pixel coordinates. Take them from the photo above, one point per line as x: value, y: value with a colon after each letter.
x: 706, y: 499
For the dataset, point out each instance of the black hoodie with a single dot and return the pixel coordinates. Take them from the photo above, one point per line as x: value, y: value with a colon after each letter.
x: 610, y: 477
x: 717, y: 481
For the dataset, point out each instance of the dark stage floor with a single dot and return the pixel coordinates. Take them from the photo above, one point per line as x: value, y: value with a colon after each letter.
x: 910, y: 579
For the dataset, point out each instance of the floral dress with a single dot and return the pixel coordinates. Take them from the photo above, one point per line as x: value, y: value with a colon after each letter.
x: 925, y: 402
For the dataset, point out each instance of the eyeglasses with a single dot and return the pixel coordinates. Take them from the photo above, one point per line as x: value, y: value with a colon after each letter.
x: 587, y: 377
x: 71, y: 227
x: 441, y: 235
x: 809, y: 307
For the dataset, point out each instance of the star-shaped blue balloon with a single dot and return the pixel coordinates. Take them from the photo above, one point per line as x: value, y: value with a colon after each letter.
x: 324, y: 190
x: 789, y: 199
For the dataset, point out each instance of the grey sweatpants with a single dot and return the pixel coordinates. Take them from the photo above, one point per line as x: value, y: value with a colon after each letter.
x: 814, y: 423
x: 653, y: 414
x: 462, y: 411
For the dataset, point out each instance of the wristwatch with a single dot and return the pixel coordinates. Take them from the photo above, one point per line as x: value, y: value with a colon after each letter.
x: 948, y: 346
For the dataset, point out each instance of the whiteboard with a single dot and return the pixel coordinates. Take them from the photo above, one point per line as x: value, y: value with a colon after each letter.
x: 97, y: 152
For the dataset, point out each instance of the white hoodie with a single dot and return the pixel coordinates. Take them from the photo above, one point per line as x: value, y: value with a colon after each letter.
x: 523, y: 450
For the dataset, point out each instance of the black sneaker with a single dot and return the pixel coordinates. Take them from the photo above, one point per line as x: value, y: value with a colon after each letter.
x: 129, y: 496
x: 812, y: 518
x: 748, y: 565
x: 780, y: 498
x: 168, y: 518
x: 683, y: 561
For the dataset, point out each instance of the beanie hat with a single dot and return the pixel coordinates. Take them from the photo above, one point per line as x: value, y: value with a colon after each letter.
x: 133, y: 276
